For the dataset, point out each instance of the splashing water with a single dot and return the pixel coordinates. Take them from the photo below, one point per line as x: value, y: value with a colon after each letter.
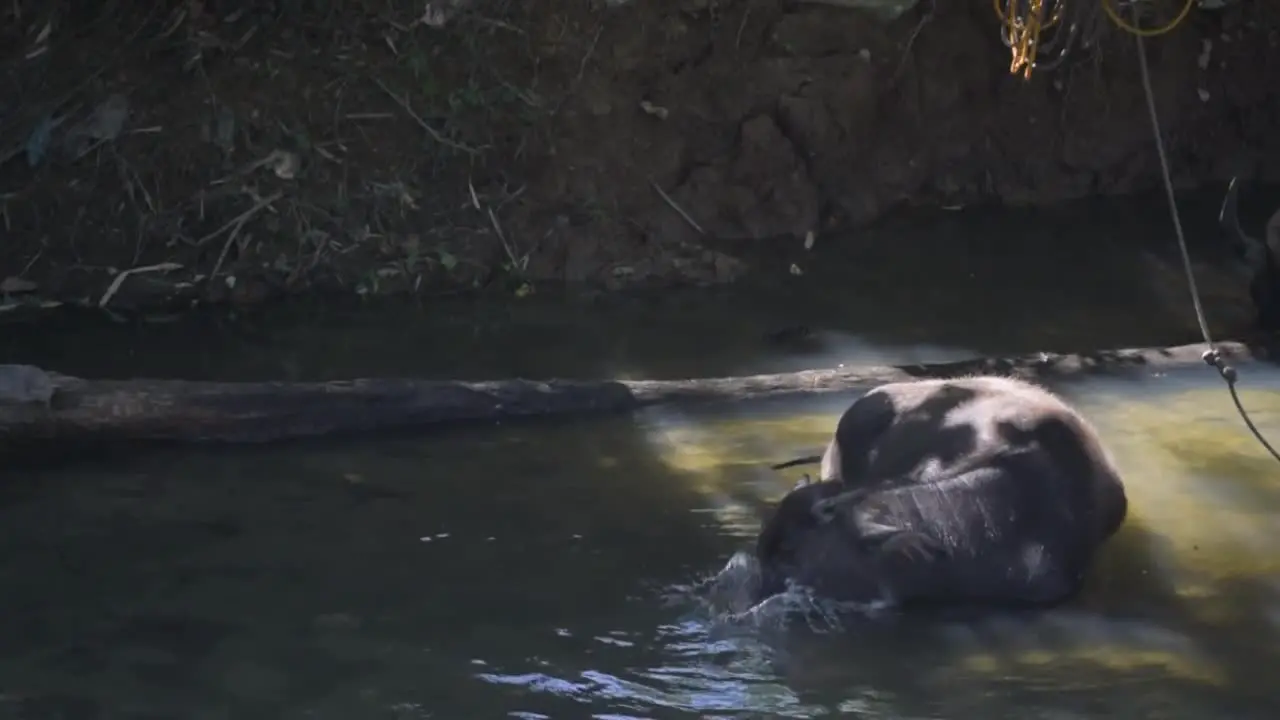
x: 728, y: 597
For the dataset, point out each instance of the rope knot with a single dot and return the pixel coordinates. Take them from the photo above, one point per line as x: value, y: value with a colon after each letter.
x: 1213, y: 358
x: 1228, y: 374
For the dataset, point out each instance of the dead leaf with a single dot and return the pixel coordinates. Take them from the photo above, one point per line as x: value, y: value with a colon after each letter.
x: 108, y: 118
x: 284, y: 163
x: 655, y: 110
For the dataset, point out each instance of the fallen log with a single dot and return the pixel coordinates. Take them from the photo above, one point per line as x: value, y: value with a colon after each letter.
x: 40, y: 405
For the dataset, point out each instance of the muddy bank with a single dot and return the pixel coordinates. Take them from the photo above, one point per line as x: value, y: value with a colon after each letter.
x: 230, y: 152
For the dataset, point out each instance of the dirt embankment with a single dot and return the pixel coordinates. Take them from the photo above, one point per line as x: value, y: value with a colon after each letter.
x: 232, y: 150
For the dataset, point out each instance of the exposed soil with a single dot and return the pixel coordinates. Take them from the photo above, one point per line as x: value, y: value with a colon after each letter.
x: 231, y: 150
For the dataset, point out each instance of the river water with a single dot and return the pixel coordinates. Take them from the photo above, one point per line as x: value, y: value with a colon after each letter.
x: 533, y: 571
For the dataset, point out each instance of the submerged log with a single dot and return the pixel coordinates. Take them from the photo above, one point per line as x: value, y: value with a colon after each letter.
x: 39, y: 405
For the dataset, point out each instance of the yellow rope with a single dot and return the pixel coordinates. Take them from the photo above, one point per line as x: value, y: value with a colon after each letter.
x: 1024, y: 33
x: 1057, y: 15
x: 1023, y: 29
x: 1133, y: 29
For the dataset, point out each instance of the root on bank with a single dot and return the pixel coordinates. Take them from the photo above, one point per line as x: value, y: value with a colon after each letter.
x: 40, y: 405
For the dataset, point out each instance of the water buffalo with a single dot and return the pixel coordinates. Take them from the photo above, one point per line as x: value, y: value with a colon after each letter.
x: 978, y: 490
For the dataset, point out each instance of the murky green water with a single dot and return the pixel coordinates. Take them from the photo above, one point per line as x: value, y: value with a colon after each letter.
x: 528, y: 571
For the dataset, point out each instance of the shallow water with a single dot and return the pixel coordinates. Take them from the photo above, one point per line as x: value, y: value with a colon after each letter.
x: 532, y: 571
x: 499, y: 573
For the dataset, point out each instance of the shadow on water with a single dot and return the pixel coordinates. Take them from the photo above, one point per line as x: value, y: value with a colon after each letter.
x: 254, y: 581
x: 527, y: 571
x: 989, y: 282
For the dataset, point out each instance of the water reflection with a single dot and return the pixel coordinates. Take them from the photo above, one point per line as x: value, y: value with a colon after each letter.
x: 1085, y: 276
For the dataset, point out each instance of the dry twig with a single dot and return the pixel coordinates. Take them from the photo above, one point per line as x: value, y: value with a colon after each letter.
x: 677, y: 208
x: 517, y: 263
x: 911, y: 41
x: 435, y: 134
x: 238, y: 221
x: 236, y: 226
x: 120, y: 278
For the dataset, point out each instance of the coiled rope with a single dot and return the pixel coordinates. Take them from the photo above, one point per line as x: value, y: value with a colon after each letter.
x: 1133, y: 28
x: 1023, y: 22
